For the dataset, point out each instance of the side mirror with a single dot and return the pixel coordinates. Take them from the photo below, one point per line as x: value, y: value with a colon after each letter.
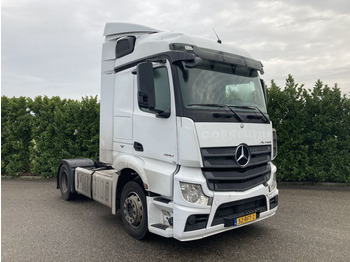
x: 145, y: 85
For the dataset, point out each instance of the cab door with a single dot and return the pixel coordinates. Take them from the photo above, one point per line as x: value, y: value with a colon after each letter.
x: 154, y: 131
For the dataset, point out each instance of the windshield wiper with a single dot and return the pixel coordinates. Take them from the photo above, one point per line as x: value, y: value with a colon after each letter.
x: 222, y: 106
x: 253, y: 107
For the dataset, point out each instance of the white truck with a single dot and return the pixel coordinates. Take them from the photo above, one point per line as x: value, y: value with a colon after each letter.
x: 186, y: 143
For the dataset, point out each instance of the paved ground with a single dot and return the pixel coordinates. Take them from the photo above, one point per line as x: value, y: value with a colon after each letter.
x: 312, y: 224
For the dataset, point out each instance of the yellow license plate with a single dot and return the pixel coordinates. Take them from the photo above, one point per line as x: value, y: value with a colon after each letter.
x: 245, y: 219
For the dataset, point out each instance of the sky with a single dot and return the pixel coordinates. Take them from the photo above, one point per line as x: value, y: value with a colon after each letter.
x: 53, y: 47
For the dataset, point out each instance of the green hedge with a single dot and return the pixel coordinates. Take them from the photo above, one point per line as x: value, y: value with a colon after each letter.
x: 37, y: 133
x: 313, y: 129
x: 16, y: 135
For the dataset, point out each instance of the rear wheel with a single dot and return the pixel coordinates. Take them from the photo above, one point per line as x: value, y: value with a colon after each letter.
x: 65, y: 184
x: 134, y: 210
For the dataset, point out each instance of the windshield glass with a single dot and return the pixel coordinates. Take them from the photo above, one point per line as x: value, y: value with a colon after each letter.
x: 214, y: 83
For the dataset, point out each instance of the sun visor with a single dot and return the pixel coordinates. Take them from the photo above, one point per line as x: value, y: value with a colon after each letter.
x: 220, y: 56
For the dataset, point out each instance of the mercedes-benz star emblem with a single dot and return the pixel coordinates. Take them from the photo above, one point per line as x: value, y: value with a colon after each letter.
x: 242, y: 155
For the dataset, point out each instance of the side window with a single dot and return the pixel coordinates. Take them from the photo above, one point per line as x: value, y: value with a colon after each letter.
x: 162, y: 90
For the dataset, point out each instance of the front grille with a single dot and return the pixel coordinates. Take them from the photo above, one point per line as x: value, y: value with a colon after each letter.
x: 224, y: 174
x: 229, y: 211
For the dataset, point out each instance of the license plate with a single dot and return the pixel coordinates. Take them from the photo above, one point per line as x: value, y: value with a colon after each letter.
x: 245, y: 219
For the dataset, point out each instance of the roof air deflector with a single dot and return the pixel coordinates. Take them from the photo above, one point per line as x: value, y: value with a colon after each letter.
x: 127, y: 28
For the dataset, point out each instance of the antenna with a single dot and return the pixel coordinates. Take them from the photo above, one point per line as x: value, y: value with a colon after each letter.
x: 219, y: 41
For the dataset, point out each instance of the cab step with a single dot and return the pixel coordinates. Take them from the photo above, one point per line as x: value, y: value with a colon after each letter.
x: 160, y: 226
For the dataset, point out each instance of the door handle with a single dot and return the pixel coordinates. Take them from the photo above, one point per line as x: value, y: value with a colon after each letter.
x: 138, y: 146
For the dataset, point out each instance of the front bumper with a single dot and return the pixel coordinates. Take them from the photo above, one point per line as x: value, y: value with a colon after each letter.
x: 225, y: 206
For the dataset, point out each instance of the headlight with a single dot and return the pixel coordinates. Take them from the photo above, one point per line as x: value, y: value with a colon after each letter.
x: 193, y: 193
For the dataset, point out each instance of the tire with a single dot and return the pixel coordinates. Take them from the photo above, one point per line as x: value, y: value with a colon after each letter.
x: 134, y: 210
x: 65, y: 184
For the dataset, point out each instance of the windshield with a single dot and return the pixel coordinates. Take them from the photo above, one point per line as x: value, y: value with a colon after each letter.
x: 215, y: 83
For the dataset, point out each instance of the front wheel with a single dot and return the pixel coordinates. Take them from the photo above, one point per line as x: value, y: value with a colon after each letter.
x: 134, y: 210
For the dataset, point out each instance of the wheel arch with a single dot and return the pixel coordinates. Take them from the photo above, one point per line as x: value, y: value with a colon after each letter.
x: 127, y: 175
x: 130, y: 168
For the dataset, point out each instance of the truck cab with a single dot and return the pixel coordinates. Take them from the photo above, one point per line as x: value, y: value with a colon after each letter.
x: 186, y: 144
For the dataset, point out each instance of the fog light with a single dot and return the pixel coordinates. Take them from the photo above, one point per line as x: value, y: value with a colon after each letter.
x: 191, y: 220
